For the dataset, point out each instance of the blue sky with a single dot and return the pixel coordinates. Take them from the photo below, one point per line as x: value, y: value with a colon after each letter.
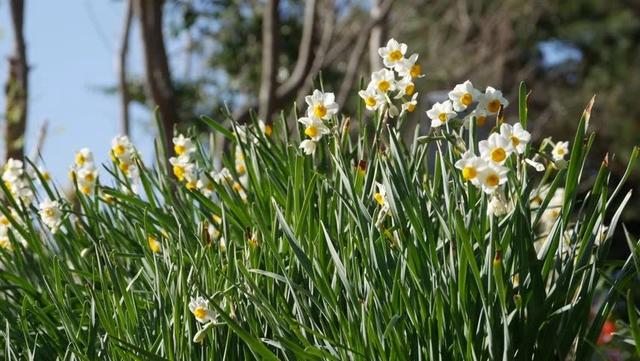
x: 72, y: 48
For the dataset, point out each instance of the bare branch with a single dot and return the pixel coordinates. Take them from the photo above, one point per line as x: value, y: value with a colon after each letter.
x: 377, y: 17
x: 301, y: 69
x: 125, y: 97
x: 328, y: 29
x: 270, y: 51
x: 305, y: 52
x: 42, y: 136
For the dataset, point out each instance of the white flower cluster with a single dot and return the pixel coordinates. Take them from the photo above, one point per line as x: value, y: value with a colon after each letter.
x: 322, y: 107
x: 461, y: 98
x: 186, y: 170
x: 487, y: 171
x: 395, y: 81
x: 184, y: 166
x: 124, y: 155
x: 51, y: 214
x: 84, y: 171
x: 16, y: 181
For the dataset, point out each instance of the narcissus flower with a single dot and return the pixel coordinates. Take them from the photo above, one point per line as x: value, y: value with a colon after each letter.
x: 200, y: 309
x: 554, y: 208
x: 84, y: 172
x: 181, y: 166
x: 308, y: 146
x: 440, y: 113
x: 183, y: 145
x: 205, y: 185
x: 314, y: 128
x: 492, y: 176
x: 393, y: 54
x: 154, y: 245
x: 498, y: 206
x: 560, y: 150
x: 463, y: 95
x: 373, y: 99
x: 321, y: 105
x: 471, y: 166
x: 479, y: 115
x: 405, y: 86
x: 51, y: 214
x: 83, y: 158
x: 223, y: 176
x: 410, y: 106
x: 492, y: 100
x: 410, y: 68
x: 517, y: 135
x: 383, y: 81
x: 496, y: 149
x: 121, y: 145
x: 381, y: 197
x: 265, y: 128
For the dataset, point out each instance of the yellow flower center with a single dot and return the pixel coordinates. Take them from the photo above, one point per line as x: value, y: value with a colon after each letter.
x: 493, y: 106
x: 415, y: 70
x: 311, y: 131
x: 411, y: 107
x: 469, y: 172
x: 379, y: 198
x: 237, y: 187
x: 320, y: 111
x: 515, y: 141
x: 178, y: 171
x: 492, y: 180
x: 370, y: 101
x: 536, y: 201
x: 46, y: 176
x: 80, y: 159
x: 409, y: 89
x: 179, y: 149
x: 217, y: 218
x: 89, y: 177
x: 498, y: 155
x: 481, y: 121
x: 466, y: 99
x: 384, y: 85
x: 555, y: 213
x: 4, y: 243
x: 119, y: 150
x: 85, y: 190
x: 240, y: 169
x: 560, y: 151
x: 443, y: 117
x: 395, y: 55
x: 154, y: 245
x: 268, y: 129
x: 124, y: 167
x: 191, y: 185
x: 49, y: 212
x: 4, y: 221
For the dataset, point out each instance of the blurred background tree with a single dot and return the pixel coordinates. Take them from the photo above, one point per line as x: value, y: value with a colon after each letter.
x: 263, y: 55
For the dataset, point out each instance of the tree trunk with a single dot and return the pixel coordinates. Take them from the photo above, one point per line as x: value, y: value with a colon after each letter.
x: 375, y: 41
x: 16, y: 88
x: 270, y: 50
x: 158, y: 75
x: 125, y: 97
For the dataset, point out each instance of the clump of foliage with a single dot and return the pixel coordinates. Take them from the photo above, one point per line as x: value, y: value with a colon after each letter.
x: 360, y: 246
